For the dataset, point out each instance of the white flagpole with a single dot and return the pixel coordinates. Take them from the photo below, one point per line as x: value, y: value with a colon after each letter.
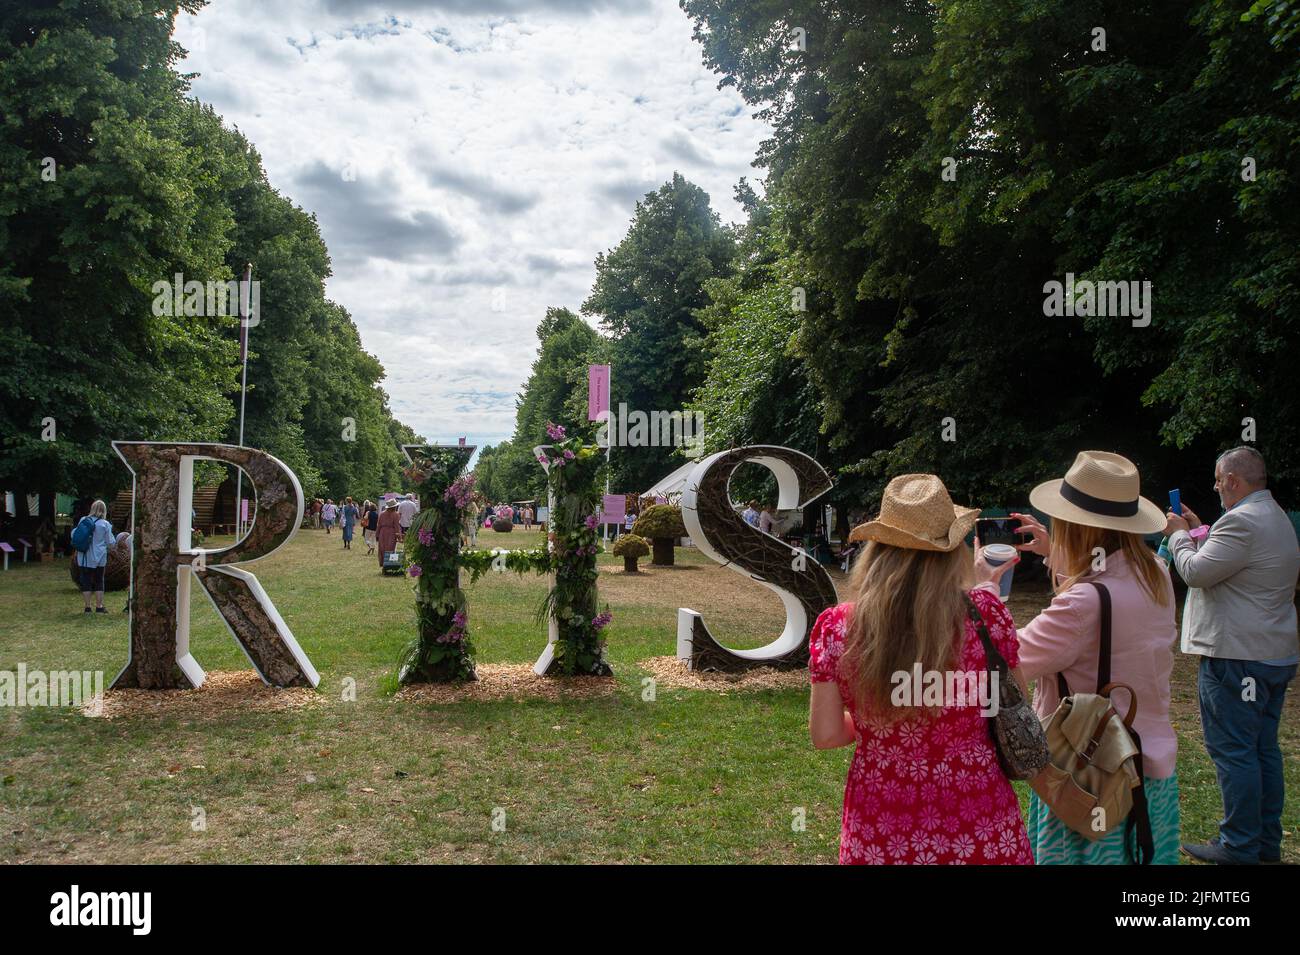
x: 245, y: 306
x: 609, y: 442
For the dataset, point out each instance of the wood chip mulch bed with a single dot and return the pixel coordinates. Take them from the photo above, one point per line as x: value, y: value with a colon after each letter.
x: 220, y: 695
x: 670, y: 671
x: 511, y: 681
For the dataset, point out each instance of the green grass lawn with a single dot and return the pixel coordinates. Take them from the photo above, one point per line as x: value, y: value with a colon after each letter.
x: 692, y: 776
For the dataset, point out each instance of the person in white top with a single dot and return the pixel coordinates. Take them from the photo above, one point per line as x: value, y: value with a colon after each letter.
x: 406, y: 511
x: 765, y: 519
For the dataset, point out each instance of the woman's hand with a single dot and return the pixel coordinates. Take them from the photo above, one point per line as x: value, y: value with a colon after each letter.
x: 1041, y: 542
x: 986, y: 573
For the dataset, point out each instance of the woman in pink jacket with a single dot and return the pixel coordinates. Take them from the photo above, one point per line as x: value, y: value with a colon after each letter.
x: 1098, y: 522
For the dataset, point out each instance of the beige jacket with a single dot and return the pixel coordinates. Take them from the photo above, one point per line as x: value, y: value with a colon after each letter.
x: 1241, y: 580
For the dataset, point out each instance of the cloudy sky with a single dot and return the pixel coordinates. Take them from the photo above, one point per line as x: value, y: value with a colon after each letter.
x: 467, y: 160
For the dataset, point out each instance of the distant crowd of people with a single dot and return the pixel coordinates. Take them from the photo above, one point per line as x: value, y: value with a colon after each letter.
x: 504, y: 511
x: 382, y: 524
x: 762, y: 516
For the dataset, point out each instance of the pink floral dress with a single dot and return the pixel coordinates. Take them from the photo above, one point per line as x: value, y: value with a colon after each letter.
x: 927, y: 789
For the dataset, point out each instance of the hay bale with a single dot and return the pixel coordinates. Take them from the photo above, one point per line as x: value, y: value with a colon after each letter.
x: 117, y: 573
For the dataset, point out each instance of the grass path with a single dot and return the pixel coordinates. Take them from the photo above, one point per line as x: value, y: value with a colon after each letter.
x: 692, y: 776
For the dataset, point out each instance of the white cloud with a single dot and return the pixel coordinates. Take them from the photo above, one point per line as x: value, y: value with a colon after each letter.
x: 467, y: 161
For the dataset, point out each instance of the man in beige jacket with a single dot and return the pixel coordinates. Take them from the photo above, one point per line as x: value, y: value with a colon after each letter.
x: 1240, y: 619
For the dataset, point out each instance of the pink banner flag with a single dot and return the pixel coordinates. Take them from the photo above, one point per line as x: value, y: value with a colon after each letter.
x: 597, y: 392
x: 613, y: 509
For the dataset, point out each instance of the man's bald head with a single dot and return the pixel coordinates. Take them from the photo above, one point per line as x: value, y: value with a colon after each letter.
x: 1247, y: 464
x: 1239, y: 472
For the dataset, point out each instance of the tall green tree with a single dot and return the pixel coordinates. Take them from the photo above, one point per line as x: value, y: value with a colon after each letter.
x: 647, y: 293
x: 756, y: 387
x: 106, y: 186
x: 933, y: 166
x: 556, y: 390
x: 114, y: 181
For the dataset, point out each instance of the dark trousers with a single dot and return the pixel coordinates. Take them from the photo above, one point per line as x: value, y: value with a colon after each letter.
x: 1241, y: 707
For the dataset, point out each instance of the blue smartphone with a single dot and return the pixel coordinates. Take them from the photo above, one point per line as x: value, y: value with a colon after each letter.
x: 1176, y: 501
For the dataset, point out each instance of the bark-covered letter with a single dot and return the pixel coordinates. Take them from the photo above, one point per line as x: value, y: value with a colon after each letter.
x: 164, y: 564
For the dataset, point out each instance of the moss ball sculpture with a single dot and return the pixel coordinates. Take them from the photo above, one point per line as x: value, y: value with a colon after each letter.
x: 631, y: 548
x: 662, y: 524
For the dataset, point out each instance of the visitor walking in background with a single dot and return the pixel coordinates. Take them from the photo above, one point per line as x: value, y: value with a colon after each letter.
x: 316, y: 506
x: 472, y: 521
x: 750, y: 514
x: 406, y: 511
x: 924, y: 785
x: 328, y: 513
x: 387, y: 530
x: 369, y: 525
x: 92, y: 539
x: 349, y: 521
x: 1240, y: 619
x: 1098, y: 521
x: 765, y: 519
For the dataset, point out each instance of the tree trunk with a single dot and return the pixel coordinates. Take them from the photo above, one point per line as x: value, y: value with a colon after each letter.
x: 663, y: 551
x: 46, y: 530
x: 629, y: 565
x: 842, y: 528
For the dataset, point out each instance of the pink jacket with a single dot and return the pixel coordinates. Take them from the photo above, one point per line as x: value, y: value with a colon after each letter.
x: 1065, y: 638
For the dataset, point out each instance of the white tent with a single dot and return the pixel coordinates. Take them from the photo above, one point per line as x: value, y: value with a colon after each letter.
x: 673, y: 483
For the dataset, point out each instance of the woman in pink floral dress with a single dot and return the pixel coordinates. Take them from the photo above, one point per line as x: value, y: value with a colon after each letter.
x: 924, y: 786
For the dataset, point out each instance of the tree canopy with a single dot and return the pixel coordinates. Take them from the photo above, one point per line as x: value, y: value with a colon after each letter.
x: 1156, y: 151
x: 111, y: 180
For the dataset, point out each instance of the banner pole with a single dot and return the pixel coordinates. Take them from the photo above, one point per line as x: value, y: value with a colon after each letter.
x: 609, y: 441
x: 246, y: 303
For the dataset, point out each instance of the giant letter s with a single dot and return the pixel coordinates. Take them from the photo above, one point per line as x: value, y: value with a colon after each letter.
x: 802, y: 584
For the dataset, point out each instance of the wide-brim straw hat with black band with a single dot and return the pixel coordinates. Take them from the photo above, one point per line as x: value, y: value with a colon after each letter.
x: 1100, y: 490
x: 917, y: 513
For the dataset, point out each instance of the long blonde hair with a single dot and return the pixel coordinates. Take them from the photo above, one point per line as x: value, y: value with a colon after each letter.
x: 1075, y: 546
x: 909, y: 607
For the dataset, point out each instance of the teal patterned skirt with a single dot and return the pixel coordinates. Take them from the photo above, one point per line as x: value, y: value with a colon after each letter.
x: 1055, y: 843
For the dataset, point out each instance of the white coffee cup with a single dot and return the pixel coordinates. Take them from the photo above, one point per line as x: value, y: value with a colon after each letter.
x: 995, y: 555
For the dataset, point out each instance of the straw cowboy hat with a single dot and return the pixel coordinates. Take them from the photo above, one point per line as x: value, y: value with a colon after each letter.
x: 916, y: 512
x: 1100, y: 490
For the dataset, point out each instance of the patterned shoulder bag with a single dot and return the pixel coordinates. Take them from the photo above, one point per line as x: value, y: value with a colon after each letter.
x: 1017, y: 733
